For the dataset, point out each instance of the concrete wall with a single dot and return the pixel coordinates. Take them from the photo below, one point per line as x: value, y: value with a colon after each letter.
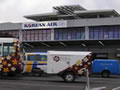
x: 71, y: 23
x: 10, y: 26
x: 94, y: 22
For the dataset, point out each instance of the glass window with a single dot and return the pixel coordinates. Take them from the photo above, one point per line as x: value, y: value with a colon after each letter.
x: 74, y: 34
x: 8, y: 49
x: 44, y: 36
x: 119, y: 31
x: 82, y: 35
x: 43, y: 57
x: 37, y: 58
x: 116, y: 32
x: 105, y: 33
x: 28, y: 35
x: 100, y: 32
x: 5, y: 50
x: 60, y: 35
x: 31, y: 35
x: 110, y: 32
x: 24, y: 35
x: 11, y: 49
x: 64, y: 35
x: 0, y: 49
x: 78, y: 35
x: 96, y: 33
x: 91, y: 33
x: 69, y: 35
x: 56, y: 35
x: 36, y: 36
x: 48, y: 35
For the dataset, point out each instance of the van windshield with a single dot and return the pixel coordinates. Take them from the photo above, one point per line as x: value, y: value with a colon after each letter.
x: 8, y: 49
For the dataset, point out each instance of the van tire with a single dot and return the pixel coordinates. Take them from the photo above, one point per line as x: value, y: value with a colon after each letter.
x: 69, y: 77
x: 37, y: 72
x: 105, y: 74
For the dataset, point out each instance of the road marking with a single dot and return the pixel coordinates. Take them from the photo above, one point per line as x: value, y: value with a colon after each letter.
x: 117, y: 88
x: 28, y: 84
x: 98, y: 88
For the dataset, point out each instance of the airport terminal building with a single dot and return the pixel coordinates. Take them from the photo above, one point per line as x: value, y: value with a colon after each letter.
x: 70, y: 28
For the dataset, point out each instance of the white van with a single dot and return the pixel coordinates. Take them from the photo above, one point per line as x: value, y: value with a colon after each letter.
x: 68, y: 64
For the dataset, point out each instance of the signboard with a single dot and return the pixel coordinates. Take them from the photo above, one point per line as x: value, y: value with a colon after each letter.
x: 46, y: 24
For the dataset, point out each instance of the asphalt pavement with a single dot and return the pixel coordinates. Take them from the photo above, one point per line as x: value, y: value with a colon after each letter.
x: 56, y: 83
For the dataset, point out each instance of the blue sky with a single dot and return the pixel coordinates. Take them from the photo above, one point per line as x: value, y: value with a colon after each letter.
x: 14, y: 10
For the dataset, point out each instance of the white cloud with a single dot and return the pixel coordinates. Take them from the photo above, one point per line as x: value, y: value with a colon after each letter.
x: 14, y: 10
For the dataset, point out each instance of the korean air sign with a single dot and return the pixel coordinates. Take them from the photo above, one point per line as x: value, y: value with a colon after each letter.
x: 49, y: 24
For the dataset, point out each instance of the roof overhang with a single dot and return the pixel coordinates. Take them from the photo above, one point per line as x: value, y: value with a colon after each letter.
x: 96, y: 12
x: 74, y: 43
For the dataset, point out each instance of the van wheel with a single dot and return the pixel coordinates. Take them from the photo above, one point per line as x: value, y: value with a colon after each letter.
x: 37, y: 72
x: 69, y: 77
x: 105, y: 74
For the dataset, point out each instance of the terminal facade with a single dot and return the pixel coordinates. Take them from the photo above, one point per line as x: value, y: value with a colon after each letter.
x: 70, y: 28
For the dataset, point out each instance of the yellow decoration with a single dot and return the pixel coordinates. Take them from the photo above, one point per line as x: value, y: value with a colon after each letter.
x: 18, y: 53
x: 1, y: 66
x: 79, y: 62
x: 8, y: 57
x: 0, y: 61
x: 80, y: 72
x: 85, y: 59
x: 15, y: 44
x: 85, y: 66
x: 9, y: 65
x: 0, y: 58
x: 13, y: 68
x: 4, y: 62
x: 14, y: 62
x: 18, y: 45
x: 76, y: 68
x: 3, y: 58
x: 18, y: 49
x: 15, y: 40
x: 15, y: 47
x: 13, y: 54
x: 5, y: 70
x: 89, y: 63
x: 13, y: 50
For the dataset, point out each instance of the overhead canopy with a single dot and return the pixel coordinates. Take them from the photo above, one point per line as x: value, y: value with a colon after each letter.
x: 74, y: 43
x: 72, y: 12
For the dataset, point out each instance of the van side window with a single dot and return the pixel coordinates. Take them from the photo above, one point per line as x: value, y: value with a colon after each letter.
x: 37, y: 58
x: 0, y: 49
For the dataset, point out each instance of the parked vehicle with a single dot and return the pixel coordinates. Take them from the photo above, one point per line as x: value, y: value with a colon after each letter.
x: 10, y: 57
x: 68, y: 64
x: 35, y: 63
x: 105, y: 67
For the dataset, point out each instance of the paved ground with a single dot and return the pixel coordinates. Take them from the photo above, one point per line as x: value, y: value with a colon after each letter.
x: 56, y: 83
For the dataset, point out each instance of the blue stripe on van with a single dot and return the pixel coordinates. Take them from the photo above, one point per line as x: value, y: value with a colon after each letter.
x: 35, y: 63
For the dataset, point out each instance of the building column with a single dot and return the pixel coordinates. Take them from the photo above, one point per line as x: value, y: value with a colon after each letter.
x: 86, y: 33
x: 20, y: 35
x: 52, y: 34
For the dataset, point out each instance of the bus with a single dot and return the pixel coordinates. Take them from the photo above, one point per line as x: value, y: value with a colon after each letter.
x: 10, y: 56
x: 35, y: 63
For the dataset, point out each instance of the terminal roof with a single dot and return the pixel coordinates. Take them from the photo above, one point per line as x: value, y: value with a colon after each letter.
x: 68, y: 12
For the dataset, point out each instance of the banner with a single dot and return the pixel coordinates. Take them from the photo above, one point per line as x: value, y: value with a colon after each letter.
x: 46, y: 24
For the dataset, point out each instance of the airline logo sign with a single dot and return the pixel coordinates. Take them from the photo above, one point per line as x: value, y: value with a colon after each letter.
x: 49, y: 24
